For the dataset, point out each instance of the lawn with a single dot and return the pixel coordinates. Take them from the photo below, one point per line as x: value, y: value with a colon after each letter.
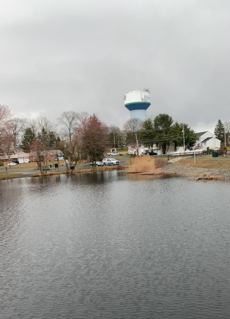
x: 28, y: 166
x: 206, y: 162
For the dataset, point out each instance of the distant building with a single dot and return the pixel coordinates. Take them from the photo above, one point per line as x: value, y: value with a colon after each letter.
x: 207, y: 140
x: 20, y: 156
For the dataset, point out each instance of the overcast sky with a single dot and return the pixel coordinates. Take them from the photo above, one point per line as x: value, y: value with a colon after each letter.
x: 60, y: 55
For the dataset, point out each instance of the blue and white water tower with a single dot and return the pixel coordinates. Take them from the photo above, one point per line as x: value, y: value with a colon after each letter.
x: 137, y: 102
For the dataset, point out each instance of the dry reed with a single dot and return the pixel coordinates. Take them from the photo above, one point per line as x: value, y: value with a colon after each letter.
x: 141, y: 165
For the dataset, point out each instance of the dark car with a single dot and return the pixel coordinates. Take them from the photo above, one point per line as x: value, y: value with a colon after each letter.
x: 97, y: 163
x: 152, y: 153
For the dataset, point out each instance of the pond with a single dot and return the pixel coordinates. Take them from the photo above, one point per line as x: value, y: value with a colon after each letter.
x: 107, y: 245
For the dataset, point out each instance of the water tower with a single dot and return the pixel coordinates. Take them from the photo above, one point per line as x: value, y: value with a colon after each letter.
x: 137, y: 102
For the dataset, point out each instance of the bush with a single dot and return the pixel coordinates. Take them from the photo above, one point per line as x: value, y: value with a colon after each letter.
x: 221, y: 152
x: 1, y: 164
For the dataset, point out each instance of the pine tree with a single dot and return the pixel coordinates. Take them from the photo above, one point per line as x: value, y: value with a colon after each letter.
x: 28, y: 137
x: 163, y: 127
x: 177, y: 135
x: 147, y: 134
x: 219, y: 131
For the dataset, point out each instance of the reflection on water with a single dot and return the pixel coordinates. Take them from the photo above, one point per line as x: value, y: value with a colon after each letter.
x: 104, y: 246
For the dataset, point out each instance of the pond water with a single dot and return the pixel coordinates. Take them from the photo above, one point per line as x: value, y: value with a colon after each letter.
x: 108, y: 246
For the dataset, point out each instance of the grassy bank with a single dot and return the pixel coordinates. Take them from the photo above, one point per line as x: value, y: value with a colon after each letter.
x: 31, y: 166
x: 83, y: 170
x: 4, y: 176
x: 205, y: 162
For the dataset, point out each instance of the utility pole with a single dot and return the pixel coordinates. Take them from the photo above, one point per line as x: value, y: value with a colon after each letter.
x: 224, y: 138
x: 137, y: 145
x: 183, y: 139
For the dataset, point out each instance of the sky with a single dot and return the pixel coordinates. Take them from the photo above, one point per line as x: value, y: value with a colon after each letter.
x: 84, y: 55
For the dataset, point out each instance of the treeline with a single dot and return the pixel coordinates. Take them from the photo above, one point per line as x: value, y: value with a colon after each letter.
x: 81, y: 136
x: 222, y: 132
x: 162, y: 131
x: 77, y: 135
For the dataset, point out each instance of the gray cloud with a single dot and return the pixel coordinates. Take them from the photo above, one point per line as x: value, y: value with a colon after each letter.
x: 85, y: 55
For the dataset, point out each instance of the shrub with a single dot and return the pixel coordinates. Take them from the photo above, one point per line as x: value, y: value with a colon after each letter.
x: 1, y: 164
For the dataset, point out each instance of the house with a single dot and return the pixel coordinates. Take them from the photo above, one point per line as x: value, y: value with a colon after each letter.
x: 132, y: 149
x: 19, y: 156
x: 206, y: 140
x: 48, y: 155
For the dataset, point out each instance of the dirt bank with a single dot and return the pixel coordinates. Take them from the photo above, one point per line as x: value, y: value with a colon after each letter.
x: 198, y: 173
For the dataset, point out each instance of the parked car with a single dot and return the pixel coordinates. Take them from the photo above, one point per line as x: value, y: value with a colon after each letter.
x: 152, y: 153
x: 12, y: 164
x: 15, y: 161
x: 97, y: 164
x: 113, y: 154
x: 110, y: 161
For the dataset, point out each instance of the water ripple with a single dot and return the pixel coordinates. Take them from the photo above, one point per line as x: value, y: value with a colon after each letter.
x: 105, y: 246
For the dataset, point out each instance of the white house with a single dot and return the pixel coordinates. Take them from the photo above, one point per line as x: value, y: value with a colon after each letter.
x: 207, y: 140
x: 19, y: 156
x: 132, y: 149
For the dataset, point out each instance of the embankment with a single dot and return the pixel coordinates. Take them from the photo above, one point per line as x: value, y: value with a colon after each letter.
x: 198, y: 173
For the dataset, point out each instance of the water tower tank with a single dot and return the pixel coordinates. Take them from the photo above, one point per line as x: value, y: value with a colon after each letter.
x: 137, y: 102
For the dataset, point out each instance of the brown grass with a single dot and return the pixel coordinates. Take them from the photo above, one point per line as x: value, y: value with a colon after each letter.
x: 4, y: 176
x: 141, y: 164
x: 206, y: 162
x: 160, y: 162
x: 145, y: 164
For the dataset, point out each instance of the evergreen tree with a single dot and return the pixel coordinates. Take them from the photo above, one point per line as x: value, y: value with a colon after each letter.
x: 48, y: 138
x: 147, y: 134
x: 53, y: 140
x: 162, y: 125
x: 177, y: 135
x: 28, y: 137
x: 219, y: 131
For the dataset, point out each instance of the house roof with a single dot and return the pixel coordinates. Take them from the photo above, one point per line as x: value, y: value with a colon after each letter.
x: 207, y: 139
x: 200, y: 133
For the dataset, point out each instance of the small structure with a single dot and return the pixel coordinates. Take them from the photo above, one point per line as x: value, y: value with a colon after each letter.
x: 206, y: 140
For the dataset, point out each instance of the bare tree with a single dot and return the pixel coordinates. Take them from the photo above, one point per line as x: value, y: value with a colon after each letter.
x: 69, y: 121
x: 227, y: 132
x: 43, y: 122
x: 16, y: 126
x: 6, y: 141
x: 40, y: 152
x: 71, y: 150
x: 5, y: 134
x: 5, y: 114
x: 133, y: 126
x: 115, y: 132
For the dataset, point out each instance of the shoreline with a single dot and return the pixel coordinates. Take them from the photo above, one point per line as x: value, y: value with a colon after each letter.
x: 64, y: 172
x: 198, y: 173
x: 192, y: 173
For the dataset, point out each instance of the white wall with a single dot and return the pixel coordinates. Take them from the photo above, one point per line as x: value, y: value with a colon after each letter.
x: 23, y: 160
x: 213, y: 143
